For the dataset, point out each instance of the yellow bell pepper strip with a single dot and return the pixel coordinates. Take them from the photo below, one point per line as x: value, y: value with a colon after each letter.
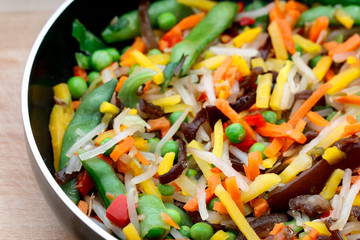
x: 160, y: 59
x: 188, y: 186
x: 218, y: 138
x: 341, y: 80
x: 306, y: 44
x: 205, y: 5
x: 144, y: 61
x: 263, y: 91
x: 166, y: 163
x: 140, y: 143
x: 269, y: 162
x: 204, y: 166
x: 331, y: 185
x: 279, y: 86
x: 277, y: 41
x: 357, y: 200
x: 345, y: 19
x: 219, y: 235
x: 299, y: 164
x: 333, y: 136
x: 62, y: 93
x: 261, y: 184
x: 246, y: 37
x: 235, y: 213
x: 333, y: 155
x: 322, y: 67
x: 167, y: 101
x: 130, y: 232
x: 258, y: 62
x: 273, y: 64
x: 241, y: 65
x: 319, y: 226
x: 178, y: 108
x: 107, y: 107
x: 211, y: 63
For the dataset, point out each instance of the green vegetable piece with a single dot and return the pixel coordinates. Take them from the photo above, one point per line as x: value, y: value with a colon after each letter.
x: 114, y: 53
x: 169, y: 237
x: 339, y: 38
x: 174, y: 215
x: 127, y: 26
x: 212, y: 203
x: 330, y: 116
x: 262, y: 21
x: 280, y: 121
x: 132, y: 68
x: 153, y: 226
x: 127, y: 94
x: 151, y: 144
x: 270, y: 116
x: 166, y: 21
x: 293, y: 225
x: 154, y: 51
x: 100, y: 59
x: 154, y: 140
x: 77, y: 86
x: 92, y: 76
x: 231, y: 235
x: 201, y: 231
x: 185, y: 231
x: 314, y: 61
x: 109, y: 151
x: 88, y: 109
x: 169, y: 73
x: 191, y: 173
x: 170, y: 146
x: 106, y: 182
x: 235, y: 133
x: 175, y: 115
x: 88, y: 42
x: 185, y: 219
x: 71, y: 191
x: 165, y: 189
x: 219, y: 18
x: 258, y: 147
x: 82, y: 60
x: 256, y: 4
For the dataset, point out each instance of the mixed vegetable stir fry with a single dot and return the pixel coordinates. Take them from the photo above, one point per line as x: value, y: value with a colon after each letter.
x: 220, y: 121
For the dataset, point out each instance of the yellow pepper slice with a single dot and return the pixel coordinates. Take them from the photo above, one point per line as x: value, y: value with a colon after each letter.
x: 333, y: 155
x: 357, y: 200
x: 166, y: 163
x: 107, y: 107
x: 299, y: 164
x: 306, y: 44
x: 341, y: 80
x: 273, y: 64
x: 219, y: 235
x: 204, y: 166
x: 62, y: 92
x: 322, y: 67
x: 140, y: 143
x: 130, y: 232
x: 329, y: 190
x: 205, y: 5
x: 321, y: 227
x: 269, y: 162
x: 277, y: 41
x: 218, y: 138
x: 241, y: 65
x: 211, y: 63
x: 345, y: 19
x: 235, y: 213
x: 167, y: 101
x: 279, y: 86
x: 188, y: 186
x: 160, y: 59
x: 263, y: 91
x: 178, y: 107
x: 258, y: 62
x: 144, y: 61
x: 246, y: 37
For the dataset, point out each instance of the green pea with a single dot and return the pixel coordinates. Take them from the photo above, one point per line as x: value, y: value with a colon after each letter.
x: 109, y: 151
x: 133, y: 67
x: 201, y: 231
x: 154, y: 140
x: 270, y: 116
x: 155, y: 233
x: 235, y: 133
x: 280, y: 121
x: 212, y: 203
x: 92, y: 76
x: 191, y: 173
x: 314, y: 61
x: 298, y: 49
x: 339, y: 38
x: 125, y: 49
x: 175, y: 115
x: 114, y: 53
x: 166, y: 190
x: 100, y: 59
x: 170, y: 146
x: 231, y: 235
x: 77, y: 87
x: 174, y: 215
x: 258, y: 147
x: 166, y: 21
x: 330, y: 116
x: 154, y: 51
x: 185, y: 231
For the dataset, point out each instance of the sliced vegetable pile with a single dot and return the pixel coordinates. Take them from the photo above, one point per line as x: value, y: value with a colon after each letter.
x: 220, y: 121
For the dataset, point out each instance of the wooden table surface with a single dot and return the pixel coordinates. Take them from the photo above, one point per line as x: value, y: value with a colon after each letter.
x: 24, y: 214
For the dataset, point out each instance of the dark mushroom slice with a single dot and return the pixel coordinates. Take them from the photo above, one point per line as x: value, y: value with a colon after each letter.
x: 311, y: 205
x: 190, y: 129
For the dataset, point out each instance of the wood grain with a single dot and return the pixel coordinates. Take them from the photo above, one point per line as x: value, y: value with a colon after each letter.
x: 24, y: 214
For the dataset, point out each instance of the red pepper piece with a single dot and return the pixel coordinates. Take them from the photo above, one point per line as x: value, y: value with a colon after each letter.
x: 255, y: 119
x: 84, y: 183
x: 246, y: 21
x: 246, y: 144
x: 80, y: 72
x: 203, y: 97
x: 117, y: 212
x: 241, y: 6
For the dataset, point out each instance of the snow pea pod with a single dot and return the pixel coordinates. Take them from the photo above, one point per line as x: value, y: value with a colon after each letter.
x: 185, y: 219
x: 71, y: 191
x: 153, y: 227
x: 106, y: 182
x: 127, y: 26
x: 216, y: 21
x: 329, y: 11
x: 86, y: 117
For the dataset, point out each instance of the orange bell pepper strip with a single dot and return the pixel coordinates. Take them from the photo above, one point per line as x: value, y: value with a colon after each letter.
x: 351, y: 44
x: 321, y: 23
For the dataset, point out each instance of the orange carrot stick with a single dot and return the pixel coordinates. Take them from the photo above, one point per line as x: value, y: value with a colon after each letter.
x: 321, y: 23
x: 283, y: 130
x: 213, y: 181
x: 315, y: 118
x: 277, y: 228
x: 120, y: 83
x: 286, y: 34
x: 351, y: 44
x: 234, y: 191
x: 255, y: 158
x: 274, y: 147
x: 292, y: 17
x: 193, y: 204
x: 121, y: 148
x: 84, y: 206
x: 220, y: 208
x: 220, y: 71
x: 260, y: 206
x: 230, y: 75
x: 293, y: 5
x: 350, y: 99
x: 351, y: 129
x: 167, y: 219
x: 329, y: 75
x: 142, y: 159
x: 275, y: 13
x: 288, y: 142
x: 330, y: 45
x: 350, y: 119
x: 126, y: 58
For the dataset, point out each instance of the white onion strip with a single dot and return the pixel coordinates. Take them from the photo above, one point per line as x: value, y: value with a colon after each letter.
x: 118, y: 120
x: 84, y: 139
x: 176, y: 234
x: 74, y: 165
x: 132, y: 197
x: 207, y: 82
x: 353, y: 237
x: 350, y: 227
x: 303, y: 68
x: 346, y: 182
x: 246, y: 53
x: 150, y: 171
x: 201, y: 196
x: 239, y: 154
x: 187, y: 97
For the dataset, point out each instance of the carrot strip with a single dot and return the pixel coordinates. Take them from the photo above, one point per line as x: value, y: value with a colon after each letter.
x: 121, y: 148
x: 213, y: 181
x: 230, y: 75
x: 126, y: 58
x: 260, y: 206
x: 255, y: 158
x: 147, y: 85
x: 313, y: 234
x: 161, y: 124
x: 220, y: 208
x: 350, y: 99
x: 75, y: 104
x: 80, y: 72
x: 106, y: 159
x: 121, y: 167
x: 142, y: 159
x: 315, y: 118
x: 351, y: 129
x: 192, y: 205
x: 84, y: 206
x: 321, y: 23
x: 292, y: 17
x: 274, y: 147
x: 275, y: 13
x: 286, y: 34
x: 329, y: 75
x: 277, y: 228
x: 288, y: 142
x: 350, y: 119
x: 283, y: 130
x: 330, y: 45
x: 167, y: 219
x: 190, y: 21
x: 351, y: 44
x: 121, y: 83
x: 225, y: 108
x: 220, y: 71
x: 309, y: 103
x: 234, y: 191
x: 293, y: 5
